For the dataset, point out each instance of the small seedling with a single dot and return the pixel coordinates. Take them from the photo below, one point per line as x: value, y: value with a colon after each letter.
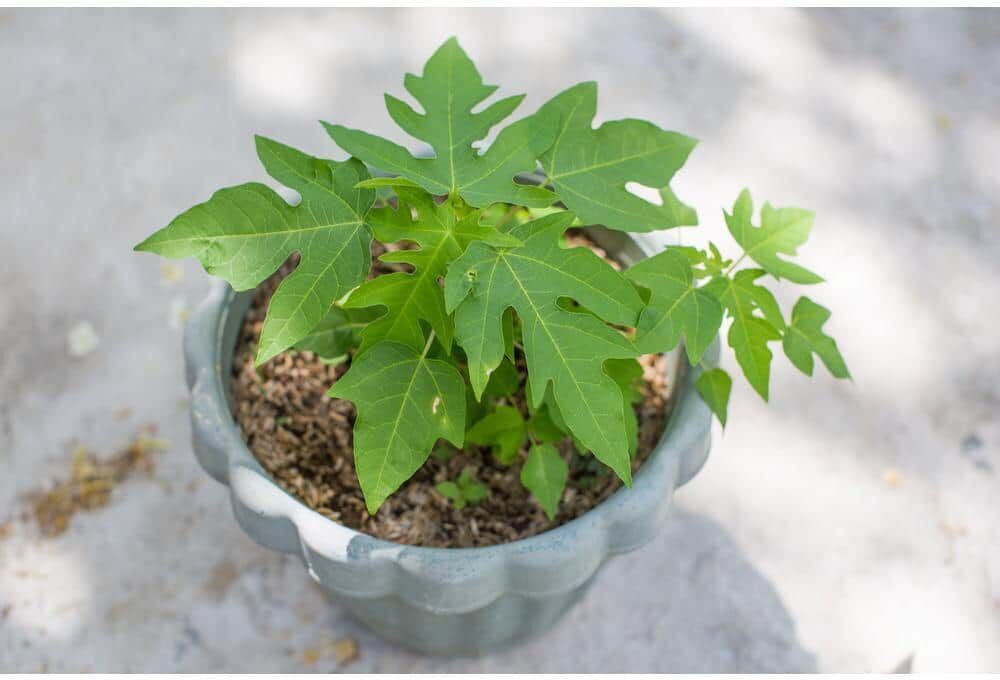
x: 493, y: 286
x: 466, y: 490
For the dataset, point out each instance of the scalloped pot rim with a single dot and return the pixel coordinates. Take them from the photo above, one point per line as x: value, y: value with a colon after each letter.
x: 548, y: 567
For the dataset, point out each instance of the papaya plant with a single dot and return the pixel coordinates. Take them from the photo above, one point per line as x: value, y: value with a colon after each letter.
x: 490, y: 284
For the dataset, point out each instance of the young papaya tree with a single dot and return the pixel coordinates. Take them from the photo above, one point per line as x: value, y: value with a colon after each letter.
x: 434, y: 349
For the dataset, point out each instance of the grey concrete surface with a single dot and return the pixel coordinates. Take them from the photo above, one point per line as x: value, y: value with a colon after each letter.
x: 842, y: 527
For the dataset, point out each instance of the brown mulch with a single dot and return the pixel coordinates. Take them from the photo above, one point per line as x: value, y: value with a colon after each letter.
x: 303, y: 439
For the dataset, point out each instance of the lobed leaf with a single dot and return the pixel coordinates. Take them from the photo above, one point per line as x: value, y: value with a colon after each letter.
x: 749, y: 334
x: 590, y: 168
x: 564, y: 348
x: 805, y: 336
x: 781, y: 231
x: 405, y: 402
x: 448, y: 91
x: 244, y: 233
x: 677, y: 307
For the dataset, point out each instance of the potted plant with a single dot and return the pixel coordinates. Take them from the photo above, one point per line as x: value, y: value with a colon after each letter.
x: 512, y: 354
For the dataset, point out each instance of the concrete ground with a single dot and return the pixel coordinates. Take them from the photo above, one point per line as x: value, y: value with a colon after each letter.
x: 847, y: 526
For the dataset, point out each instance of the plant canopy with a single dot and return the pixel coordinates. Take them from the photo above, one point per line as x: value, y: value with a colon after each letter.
x: 434, y: 350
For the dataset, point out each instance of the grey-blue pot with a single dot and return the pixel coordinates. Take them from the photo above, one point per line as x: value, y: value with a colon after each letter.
x: 456, y: 601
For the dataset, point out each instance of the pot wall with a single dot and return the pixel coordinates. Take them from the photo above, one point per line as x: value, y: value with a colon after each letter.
x: 434, y: 600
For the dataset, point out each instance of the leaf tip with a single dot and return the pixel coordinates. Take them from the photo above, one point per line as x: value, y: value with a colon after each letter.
x: 331, y: 129
x: 264, y: 147
x: 372, y: 504
x: 265, y: 353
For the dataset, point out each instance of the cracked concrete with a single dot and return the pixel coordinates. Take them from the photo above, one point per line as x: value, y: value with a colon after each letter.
x: 842, y: 527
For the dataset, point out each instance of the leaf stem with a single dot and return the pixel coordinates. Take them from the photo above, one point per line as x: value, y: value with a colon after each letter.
x: 508, y: 216
x: 427, y: 347
x: 733, y: 265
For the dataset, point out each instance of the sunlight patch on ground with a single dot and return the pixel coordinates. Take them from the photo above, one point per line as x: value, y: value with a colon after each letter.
x: 47, y: 588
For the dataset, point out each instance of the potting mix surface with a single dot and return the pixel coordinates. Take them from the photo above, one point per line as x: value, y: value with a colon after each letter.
x: 303, y: 438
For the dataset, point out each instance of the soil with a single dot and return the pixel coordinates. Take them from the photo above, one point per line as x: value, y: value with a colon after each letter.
x: 303, y: 439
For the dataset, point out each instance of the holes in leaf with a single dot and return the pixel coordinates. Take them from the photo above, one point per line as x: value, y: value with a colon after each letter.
x: 645, y: 193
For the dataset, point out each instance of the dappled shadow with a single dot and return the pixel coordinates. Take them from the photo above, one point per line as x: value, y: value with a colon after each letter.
x: 688, y: 602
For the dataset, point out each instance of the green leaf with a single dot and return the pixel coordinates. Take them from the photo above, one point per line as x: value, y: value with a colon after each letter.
x: 544, y: 474
x: 337, y: 333
x: 473, y: 490
x: 504, y: 381
x: 451, y: 491
x: 714, y: 387
x: 546, y: 414
x: 741, y: 290
x: 504, y: 430
x: 781, y: 231
x: 805, y: 336
x: 504, y: 216
x: 677, y: 307
x: 704, y: 264
x: 590, y: 168
x: 244, y: 233
x: 443, y: 451
x: 449, y: 89
x: 465, y: 490
x: 565, y: 348
x: 544, y: 427
x: 749, y: 334
x: 627, y: 373
x: 387, y: 183
x: 405, y: 403
x: 509, y: 334
x: 409, y: 299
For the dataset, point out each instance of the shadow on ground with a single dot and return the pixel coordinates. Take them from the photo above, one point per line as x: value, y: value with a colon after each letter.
x: 688, y: 602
